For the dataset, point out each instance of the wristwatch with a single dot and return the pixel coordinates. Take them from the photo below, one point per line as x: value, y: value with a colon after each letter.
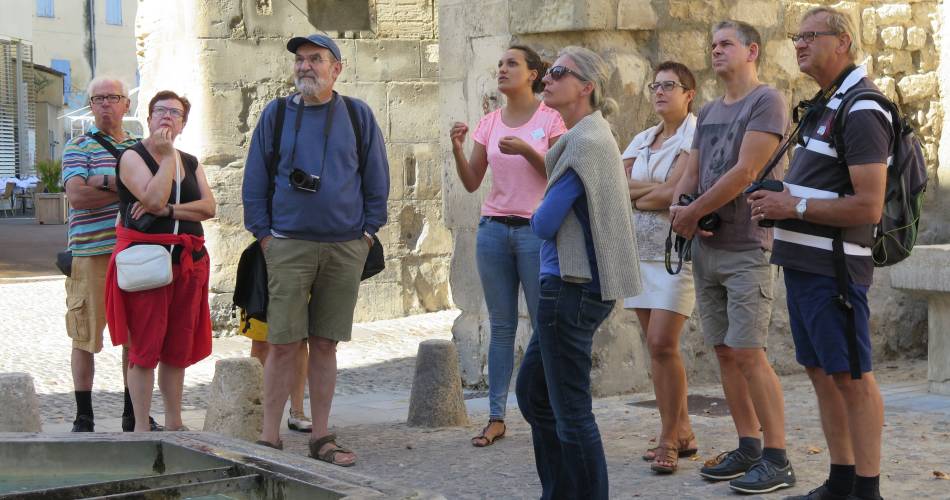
x: 801, y: 207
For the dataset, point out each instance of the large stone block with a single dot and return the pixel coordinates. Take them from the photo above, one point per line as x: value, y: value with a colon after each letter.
x: 430, y: 59
x: 894, y: 14
x: 888, y: 86
x: 412, y: 109
x: 892, y: 62
x: 636, y: 15
x: 388, y: 60
x: 21, y: 411
x: 380, y: 300
x: 619, y: 359
x: 405, y: 19
x: 687, y: 47
x: 375, y: 94
x: 869, y: 26
x: 436, y: 399
x: 916, y: 38
x: 793, y: 14
x: 918, y: 87
x: 633, y: 70
x: 219, y: 19
x: 698, y: 11
x: 234, y: 399
x: 547, y: 16
x: 893, y: 37
x: 759, y: 13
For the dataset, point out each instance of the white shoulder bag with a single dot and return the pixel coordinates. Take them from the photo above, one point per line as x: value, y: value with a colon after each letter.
x: 144, y: 267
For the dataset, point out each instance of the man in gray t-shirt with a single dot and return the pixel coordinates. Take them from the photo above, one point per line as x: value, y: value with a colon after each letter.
x: 735, y: 137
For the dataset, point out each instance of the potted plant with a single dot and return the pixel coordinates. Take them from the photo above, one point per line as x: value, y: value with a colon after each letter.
x: 50, y: 206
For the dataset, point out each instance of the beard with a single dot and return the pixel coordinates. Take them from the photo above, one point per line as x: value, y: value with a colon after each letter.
x: 309, y: 85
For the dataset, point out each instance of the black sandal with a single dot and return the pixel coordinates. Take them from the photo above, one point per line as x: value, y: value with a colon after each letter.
x: 482, y: 440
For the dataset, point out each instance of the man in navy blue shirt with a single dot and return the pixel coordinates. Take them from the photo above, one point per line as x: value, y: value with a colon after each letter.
x: 329, y: 199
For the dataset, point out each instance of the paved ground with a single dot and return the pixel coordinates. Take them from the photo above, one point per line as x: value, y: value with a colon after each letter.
x: 372, y: 401
x: 29, y: 249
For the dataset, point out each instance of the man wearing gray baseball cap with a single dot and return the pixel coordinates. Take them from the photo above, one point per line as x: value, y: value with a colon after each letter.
x: 316, y: 183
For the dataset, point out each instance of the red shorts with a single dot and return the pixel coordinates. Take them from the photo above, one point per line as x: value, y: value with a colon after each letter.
x: 171, y: 324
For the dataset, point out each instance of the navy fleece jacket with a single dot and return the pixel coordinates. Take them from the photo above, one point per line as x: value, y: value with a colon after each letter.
x: 347, y: 203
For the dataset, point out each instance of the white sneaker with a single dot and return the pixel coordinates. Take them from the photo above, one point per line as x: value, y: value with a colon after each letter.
x: 299, y: 422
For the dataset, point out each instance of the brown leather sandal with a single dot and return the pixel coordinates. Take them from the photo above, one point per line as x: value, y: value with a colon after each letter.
x: 329, y: 456
x: 682, y: 450
x: 667, y: 460
x: 482, y: 440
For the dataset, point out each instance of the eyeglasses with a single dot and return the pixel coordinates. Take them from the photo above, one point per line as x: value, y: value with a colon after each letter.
x: 162, y: 110
x: 314, y: 60
x: 809, y: 36
x: 558, y: 72
x: 667, y: 86
x: 112, y: 98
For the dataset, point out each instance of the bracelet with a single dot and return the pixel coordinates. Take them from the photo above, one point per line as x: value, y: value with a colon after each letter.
x: 171, y: 211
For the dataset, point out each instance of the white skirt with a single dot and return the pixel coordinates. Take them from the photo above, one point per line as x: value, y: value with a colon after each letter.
x: 662, y: 290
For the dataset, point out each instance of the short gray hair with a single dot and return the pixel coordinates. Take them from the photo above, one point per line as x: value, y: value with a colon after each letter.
x: 745, y: 32
x: 597, y: 71
x: 107, y: 79
x: 842, y: 23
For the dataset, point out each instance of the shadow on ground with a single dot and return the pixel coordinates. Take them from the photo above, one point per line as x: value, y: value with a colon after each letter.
x: 29, y: 249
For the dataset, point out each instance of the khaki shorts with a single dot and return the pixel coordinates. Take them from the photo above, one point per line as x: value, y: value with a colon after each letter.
x: 734, y: 295
x: 313, y: 288
x: 85, y: 302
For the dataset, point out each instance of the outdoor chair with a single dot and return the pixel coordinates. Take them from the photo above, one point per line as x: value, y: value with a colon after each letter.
x: 7, y: 200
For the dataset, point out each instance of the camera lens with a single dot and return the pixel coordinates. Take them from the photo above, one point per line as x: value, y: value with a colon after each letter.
x: 298, y: 177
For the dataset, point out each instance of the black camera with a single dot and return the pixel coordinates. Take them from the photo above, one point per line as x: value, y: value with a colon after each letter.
x: 708, y: 222
x: 768, y: 185
x: 303, y: 181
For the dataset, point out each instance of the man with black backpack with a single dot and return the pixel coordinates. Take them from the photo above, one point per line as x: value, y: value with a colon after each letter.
x: 89, y: 177
x: 824, y: 234
x: 316, y: 184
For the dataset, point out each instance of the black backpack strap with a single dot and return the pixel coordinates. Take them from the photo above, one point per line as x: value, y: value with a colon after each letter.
x: 354, y: 120
x: 98, y: 137
x: 274, y: 158
x: 844, y: 303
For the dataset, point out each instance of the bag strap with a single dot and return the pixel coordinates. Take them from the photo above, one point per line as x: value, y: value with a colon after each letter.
x: 844, y: 303
x: 354, y: 121
x: 98, y: 137
x: 177, y: 192
x: 274, y: 158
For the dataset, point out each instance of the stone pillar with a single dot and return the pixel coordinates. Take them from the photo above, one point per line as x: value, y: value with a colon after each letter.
x: 21, y: 412
x: 436, y: 399
x: 234, y: 399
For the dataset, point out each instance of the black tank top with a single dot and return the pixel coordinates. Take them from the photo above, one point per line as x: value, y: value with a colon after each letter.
x: 189, y: 192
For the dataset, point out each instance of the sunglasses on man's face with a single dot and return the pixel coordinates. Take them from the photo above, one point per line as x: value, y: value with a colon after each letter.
x: 558, y: 72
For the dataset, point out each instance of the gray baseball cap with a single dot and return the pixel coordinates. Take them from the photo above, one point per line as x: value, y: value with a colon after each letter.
x: 316, y: 39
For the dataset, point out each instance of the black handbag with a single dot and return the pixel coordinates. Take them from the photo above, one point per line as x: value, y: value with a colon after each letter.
x: 64, y: 261
x: 250, y: 288
x: 375, y: 260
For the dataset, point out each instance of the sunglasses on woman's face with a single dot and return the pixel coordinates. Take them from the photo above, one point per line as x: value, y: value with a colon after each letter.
x: 667, y: 86
x: 558, y: 72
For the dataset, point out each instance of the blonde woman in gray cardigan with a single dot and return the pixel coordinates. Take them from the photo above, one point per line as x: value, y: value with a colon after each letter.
x: 588, y: 245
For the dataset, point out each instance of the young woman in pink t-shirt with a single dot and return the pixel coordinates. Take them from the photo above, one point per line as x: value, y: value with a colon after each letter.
x: 512, y: 141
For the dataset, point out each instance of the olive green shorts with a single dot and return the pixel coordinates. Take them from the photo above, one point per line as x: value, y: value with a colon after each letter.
x: 313, y: 287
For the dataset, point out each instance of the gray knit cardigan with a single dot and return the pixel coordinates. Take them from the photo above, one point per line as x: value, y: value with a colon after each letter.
x: 589, y: 149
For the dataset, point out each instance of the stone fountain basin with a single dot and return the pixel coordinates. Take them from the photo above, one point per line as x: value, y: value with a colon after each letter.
x: 172, y: 465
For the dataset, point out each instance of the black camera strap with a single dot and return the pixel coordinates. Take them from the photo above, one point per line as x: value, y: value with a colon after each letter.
x: 683, y: 250
x: 326, y: 131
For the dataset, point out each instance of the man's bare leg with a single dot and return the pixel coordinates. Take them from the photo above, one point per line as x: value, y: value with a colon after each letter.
x: 277, y: 381
x: 322, y: 375
x: 765, y: 392
x: 865, y: 409
x: 736, y: 390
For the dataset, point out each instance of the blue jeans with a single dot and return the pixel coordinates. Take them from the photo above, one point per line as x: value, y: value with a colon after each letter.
x: 506, y: 256
x: 554, y: 393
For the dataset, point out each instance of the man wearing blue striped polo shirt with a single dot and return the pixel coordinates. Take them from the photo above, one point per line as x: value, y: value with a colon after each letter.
x: 823, y: 196
x: 89, y: 178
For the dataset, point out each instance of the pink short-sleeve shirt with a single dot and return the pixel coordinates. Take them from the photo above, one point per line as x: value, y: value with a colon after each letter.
x: 516, y: 187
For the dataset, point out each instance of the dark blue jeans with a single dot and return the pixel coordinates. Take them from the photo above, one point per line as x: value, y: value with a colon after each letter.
x: 554, y: 393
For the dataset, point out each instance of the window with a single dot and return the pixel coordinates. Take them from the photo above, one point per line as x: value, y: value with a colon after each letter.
x: 44, y: 8
x: 114, y: 12
x: 62, y: 66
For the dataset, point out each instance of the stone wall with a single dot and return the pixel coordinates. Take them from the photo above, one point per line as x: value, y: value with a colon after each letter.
x: 229, y: 58
x: 633, y: 36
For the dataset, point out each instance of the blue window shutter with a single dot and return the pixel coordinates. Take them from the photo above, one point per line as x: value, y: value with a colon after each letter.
x: 62, y: 66
x: 114, y: 12
x: 44, y: 8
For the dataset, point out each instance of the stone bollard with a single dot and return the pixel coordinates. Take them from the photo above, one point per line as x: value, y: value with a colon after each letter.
x: 234, y: 399
x: 21, y: 412
x: 436, y: 399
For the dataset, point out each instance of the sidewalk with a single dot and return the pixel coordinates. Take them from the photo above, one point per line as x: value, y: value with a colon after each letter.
x: 372, y: 399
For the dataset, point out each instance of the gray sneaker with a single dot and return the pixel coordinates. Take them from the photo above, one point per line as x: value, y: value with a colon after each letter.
x: 764, y: 477
x: 820, y: 493
x: 728, y: 465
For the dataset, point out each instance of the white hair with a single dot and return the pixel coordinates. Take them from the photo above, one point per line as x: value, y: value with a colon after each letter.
x: 107, y: 79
